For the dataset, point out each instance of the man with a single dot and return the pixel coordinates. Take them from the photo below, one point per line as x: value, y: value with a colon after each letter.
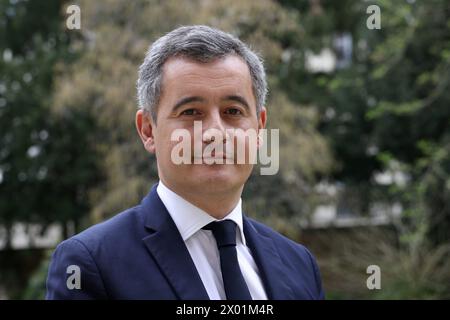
x: 188, y: 239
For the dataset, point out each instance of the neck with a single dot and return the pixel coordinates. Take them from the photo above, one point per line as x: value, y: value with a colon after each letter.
x: 216, y: 204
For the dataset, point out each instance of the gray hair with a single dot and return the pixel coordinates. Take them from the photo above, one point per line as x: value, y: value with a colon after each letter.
x: 202, y: 44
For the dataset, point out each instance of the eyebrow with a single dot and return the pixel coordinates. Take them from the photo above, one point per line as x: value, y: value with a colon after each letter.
x: 187, y: 100
x: 239, y: 99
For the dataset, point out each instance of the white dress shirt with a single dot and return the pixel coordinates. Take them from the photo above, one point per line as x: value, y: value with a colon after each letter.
x: 202, y: 246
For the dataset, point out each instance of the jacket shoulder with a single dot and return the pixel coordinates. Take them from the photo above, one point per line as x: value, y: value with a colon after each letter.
x: 124, y: 224
x: 295, y: 255
x: 85, y: 253
x: 279, y: 239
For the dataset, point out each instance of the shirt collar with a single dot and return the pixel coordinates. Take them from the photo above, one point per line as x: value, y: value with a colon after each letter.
x: 189, y: 218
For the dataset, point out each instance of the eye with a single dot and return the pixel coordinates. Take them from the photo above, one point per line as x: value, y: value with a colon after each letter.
x: 190, y: 112
x: 233, y: 111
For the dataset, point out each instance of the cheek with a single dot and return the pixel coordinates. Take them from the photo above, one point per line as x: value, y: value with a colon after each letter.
x: 246, y: 146
x: 165, y: 146
x: 162, y: 141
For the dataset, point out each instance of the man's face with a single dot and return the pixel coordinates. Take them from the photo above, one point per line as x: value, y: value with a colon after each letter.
x: 218, y: 94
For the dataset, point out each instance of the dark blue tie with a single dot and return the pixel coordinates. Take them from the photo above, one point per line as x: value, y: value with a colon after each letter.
x: 233, y: 281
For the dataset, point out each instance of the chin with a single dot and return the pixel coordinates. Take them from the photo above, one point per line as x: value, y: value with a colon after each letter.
x: 216, y: 177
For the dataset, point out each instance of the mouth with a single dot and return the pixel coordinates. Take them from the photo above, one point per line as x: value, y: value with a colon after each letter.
x: 214, y: 155
x: 213, y: 158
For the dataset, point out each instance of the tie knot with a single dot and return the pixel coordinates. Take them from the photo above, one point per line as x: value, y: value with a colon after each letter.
x: 224, y: 232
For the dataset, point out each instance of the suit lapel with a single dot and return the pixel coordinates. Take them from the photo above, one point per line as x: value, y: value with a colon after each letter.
x: 169, y: 250
x: 271, y: 268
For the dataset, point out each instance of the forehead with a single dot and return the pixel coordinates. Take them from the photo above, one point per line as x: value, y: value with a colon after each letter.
x: 227, y: 75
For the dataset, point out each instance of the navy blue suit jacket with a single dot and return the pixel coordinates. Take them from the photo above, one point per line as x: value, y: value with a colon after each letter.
x: 139, y: 254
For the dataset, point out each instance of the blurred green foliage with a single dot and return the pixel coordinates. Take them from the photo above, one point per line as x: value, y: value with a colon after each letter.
x: 46, y: 163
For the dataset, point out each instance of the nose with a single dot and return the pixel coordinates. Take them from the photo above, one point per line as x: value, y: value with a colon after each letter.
x: 213, y: 127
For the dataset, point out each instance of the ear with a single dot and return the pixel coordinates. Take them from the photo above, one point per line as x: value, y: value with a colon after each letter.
x: 261, y: 125
x: 145, y: 126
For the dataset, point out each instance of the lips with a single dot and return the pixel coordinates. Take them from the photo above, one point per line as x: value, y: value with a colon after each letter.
x: 213, y: 155
x: 213, y: 158
x: 224, y: 157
